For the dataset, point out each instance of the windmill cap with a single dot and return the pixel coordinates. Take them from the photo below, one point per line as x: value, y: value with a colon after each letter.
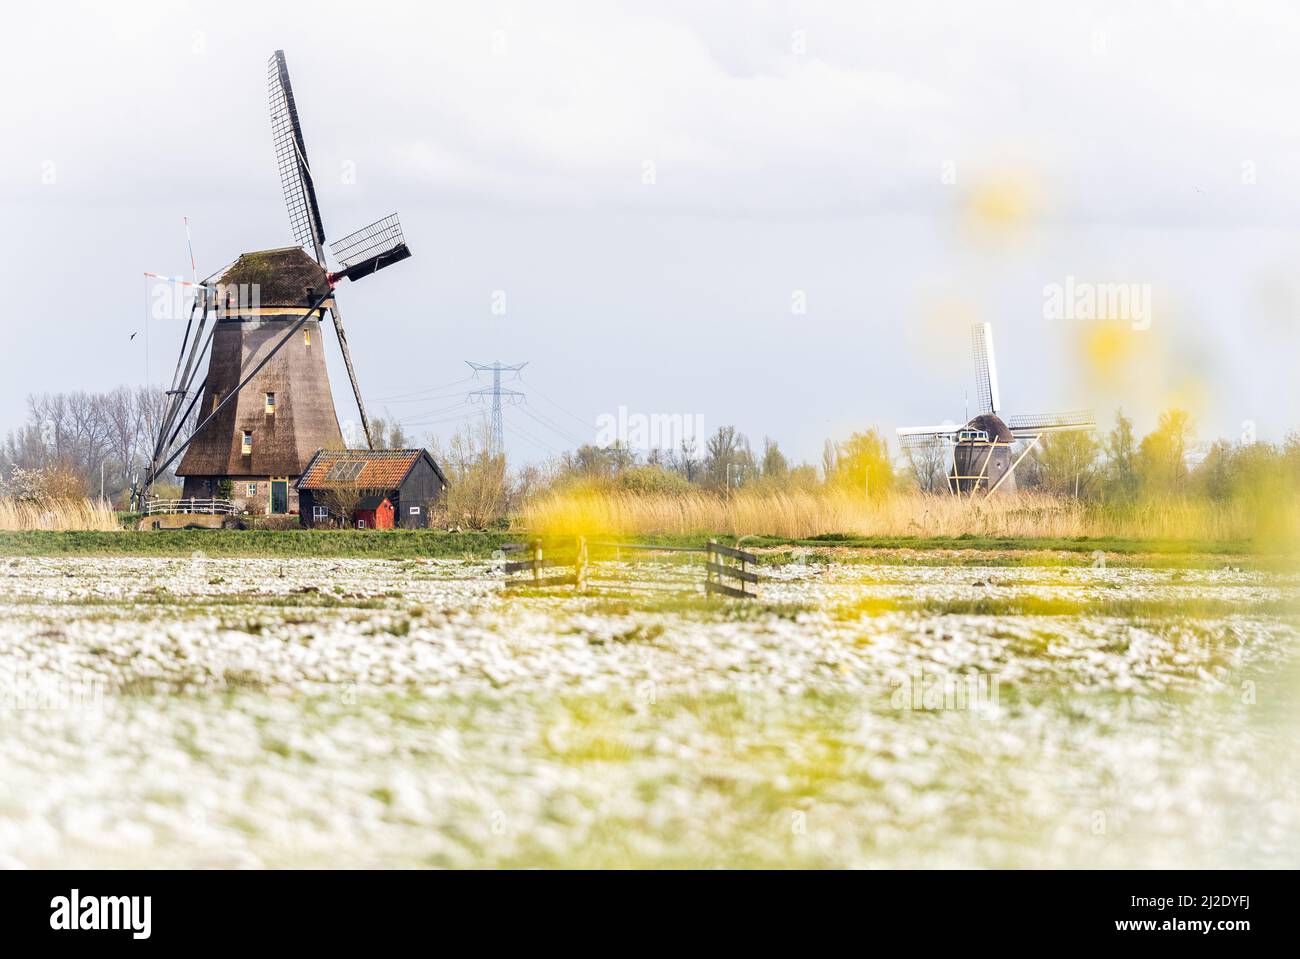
x: 281, y: 277
x: 992, y: 424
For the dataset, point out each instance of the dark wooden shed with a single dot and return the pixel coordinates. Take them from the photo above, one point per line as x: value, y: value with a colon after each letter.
x: 409, y: 480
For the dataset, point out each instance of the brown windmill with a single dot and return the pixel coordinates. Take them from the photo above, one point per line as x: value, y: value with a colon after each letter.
x: 982, y: 449
x: 264, y: 406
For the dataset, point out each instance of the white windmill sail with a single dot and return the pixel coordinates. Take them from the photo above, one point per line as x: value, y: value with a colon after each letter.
x: 986, y: 368
x: 1025, y: 425
x: 918, y: 437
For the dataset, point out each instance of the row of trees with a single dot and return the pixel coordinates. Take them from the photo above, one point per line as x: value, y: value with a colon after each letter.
x: 75, y: 439
x: 1114, y: 465
x: 1117, y: 466
x: 727, y: 461
x: 82, y: 443
x: 91, y: 441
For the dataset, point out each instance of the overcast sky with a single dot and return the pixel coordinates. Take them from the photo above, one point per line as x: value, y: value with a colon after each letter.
x: 658, y: 188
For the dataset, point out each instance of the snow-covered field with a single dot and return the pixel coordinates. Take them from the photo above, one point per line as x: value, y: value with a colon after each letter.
x: 369, y: 712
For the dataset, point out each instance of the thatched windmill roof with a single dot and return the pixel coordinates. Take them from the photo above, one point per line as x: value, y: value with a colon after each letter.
x: 992, y: 424
x: 283, y: 277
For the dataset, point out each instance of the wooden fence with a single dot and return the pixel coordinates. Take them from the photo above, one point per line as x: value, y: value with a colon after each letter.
x: 729, y: 563
x: 215, y: 507
x: 727, y: 570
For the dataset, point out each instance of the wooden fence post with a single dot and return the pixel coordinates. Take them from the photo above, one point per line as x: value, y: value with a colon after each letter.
x: 724, y: 563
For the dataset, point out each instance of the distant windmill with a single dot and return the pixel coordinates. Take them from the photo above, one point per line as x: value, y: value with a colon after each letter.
x: 266, y: 401
x: 981, y: 450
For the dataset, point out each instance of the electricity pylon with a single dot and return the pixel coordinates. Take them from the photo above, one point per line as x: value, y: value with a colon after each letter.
x: 496, y: 391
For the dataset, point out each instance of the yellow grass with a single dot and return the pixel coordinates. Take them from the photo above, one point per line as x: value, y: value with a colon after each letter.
x: 61, y: 514
x: 799, y: 514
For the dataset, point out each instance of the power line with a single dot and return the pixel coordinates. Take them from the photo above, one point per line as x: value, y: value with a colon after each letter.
x: 418, y: 417
x: 538, y: 392
x: 515, y: 428
x: 551, y: 425
x: 423, y: 392
x: 427, y: 399
x: 443, y: 416
x: 556, y: 427
x: 451, y: 419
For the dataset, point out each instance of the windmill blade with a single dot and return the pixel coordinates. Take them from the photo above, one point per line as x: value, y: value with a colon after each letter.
x: 362, y: 253
x: 1032, y: 424
x: 291, y: 159
x: 370, y: 249
x: 986, y: 367
x: 910, y: 444
x: 925, y: 437
x: 352, y: 374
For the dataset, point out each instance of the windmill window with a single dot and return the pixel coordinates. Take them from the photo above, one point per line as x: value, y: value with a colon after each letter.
x: 248, y: 442
x: 306, y: 337
x: 270, y: 403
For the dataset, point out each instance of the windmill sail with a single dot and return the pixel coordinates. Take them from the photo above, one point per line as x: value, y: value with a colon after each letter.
x: 923, y: 437
x: 362, y: 253
x: 291, y: 159
x: 370, y: 249
x: 1032, y: 424
x: 986, y: 368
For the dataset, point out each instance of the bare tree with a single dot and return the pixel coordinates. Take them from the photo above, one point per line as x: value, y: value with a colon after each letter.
x: 342, y: 500
x: 81, y: 434
x: 728, y: 460
x: 388, y: 433
x: 687, y: 460
x: 477, y: 487
x: 929, y: 467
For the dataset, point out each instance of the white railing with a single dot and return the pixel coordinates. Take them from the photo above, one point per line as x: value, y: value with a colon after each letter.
x: 216, y: 507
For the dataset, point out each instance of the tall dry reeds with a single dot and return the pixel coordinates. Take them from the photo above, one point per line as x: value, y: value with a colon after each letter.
x: 799, y: 514
x: 56, y: 514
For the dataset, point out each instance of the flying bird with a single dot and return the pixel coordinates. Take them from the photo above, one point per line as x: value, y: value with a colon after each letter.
x: 133, y: 335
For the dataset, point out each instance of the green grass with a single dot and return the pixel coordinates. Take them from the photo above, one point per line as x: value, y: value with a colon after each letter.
x: 1073, y: 544
x: 400, y: 544
x: 987, y: 551
x: 1083, y: 546
x: 329, y: 544
x: 1130, y: 608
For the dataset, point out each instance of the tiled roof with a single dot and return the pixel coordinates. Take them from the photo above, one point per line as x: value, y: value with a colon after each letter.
x: 379, y: 469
